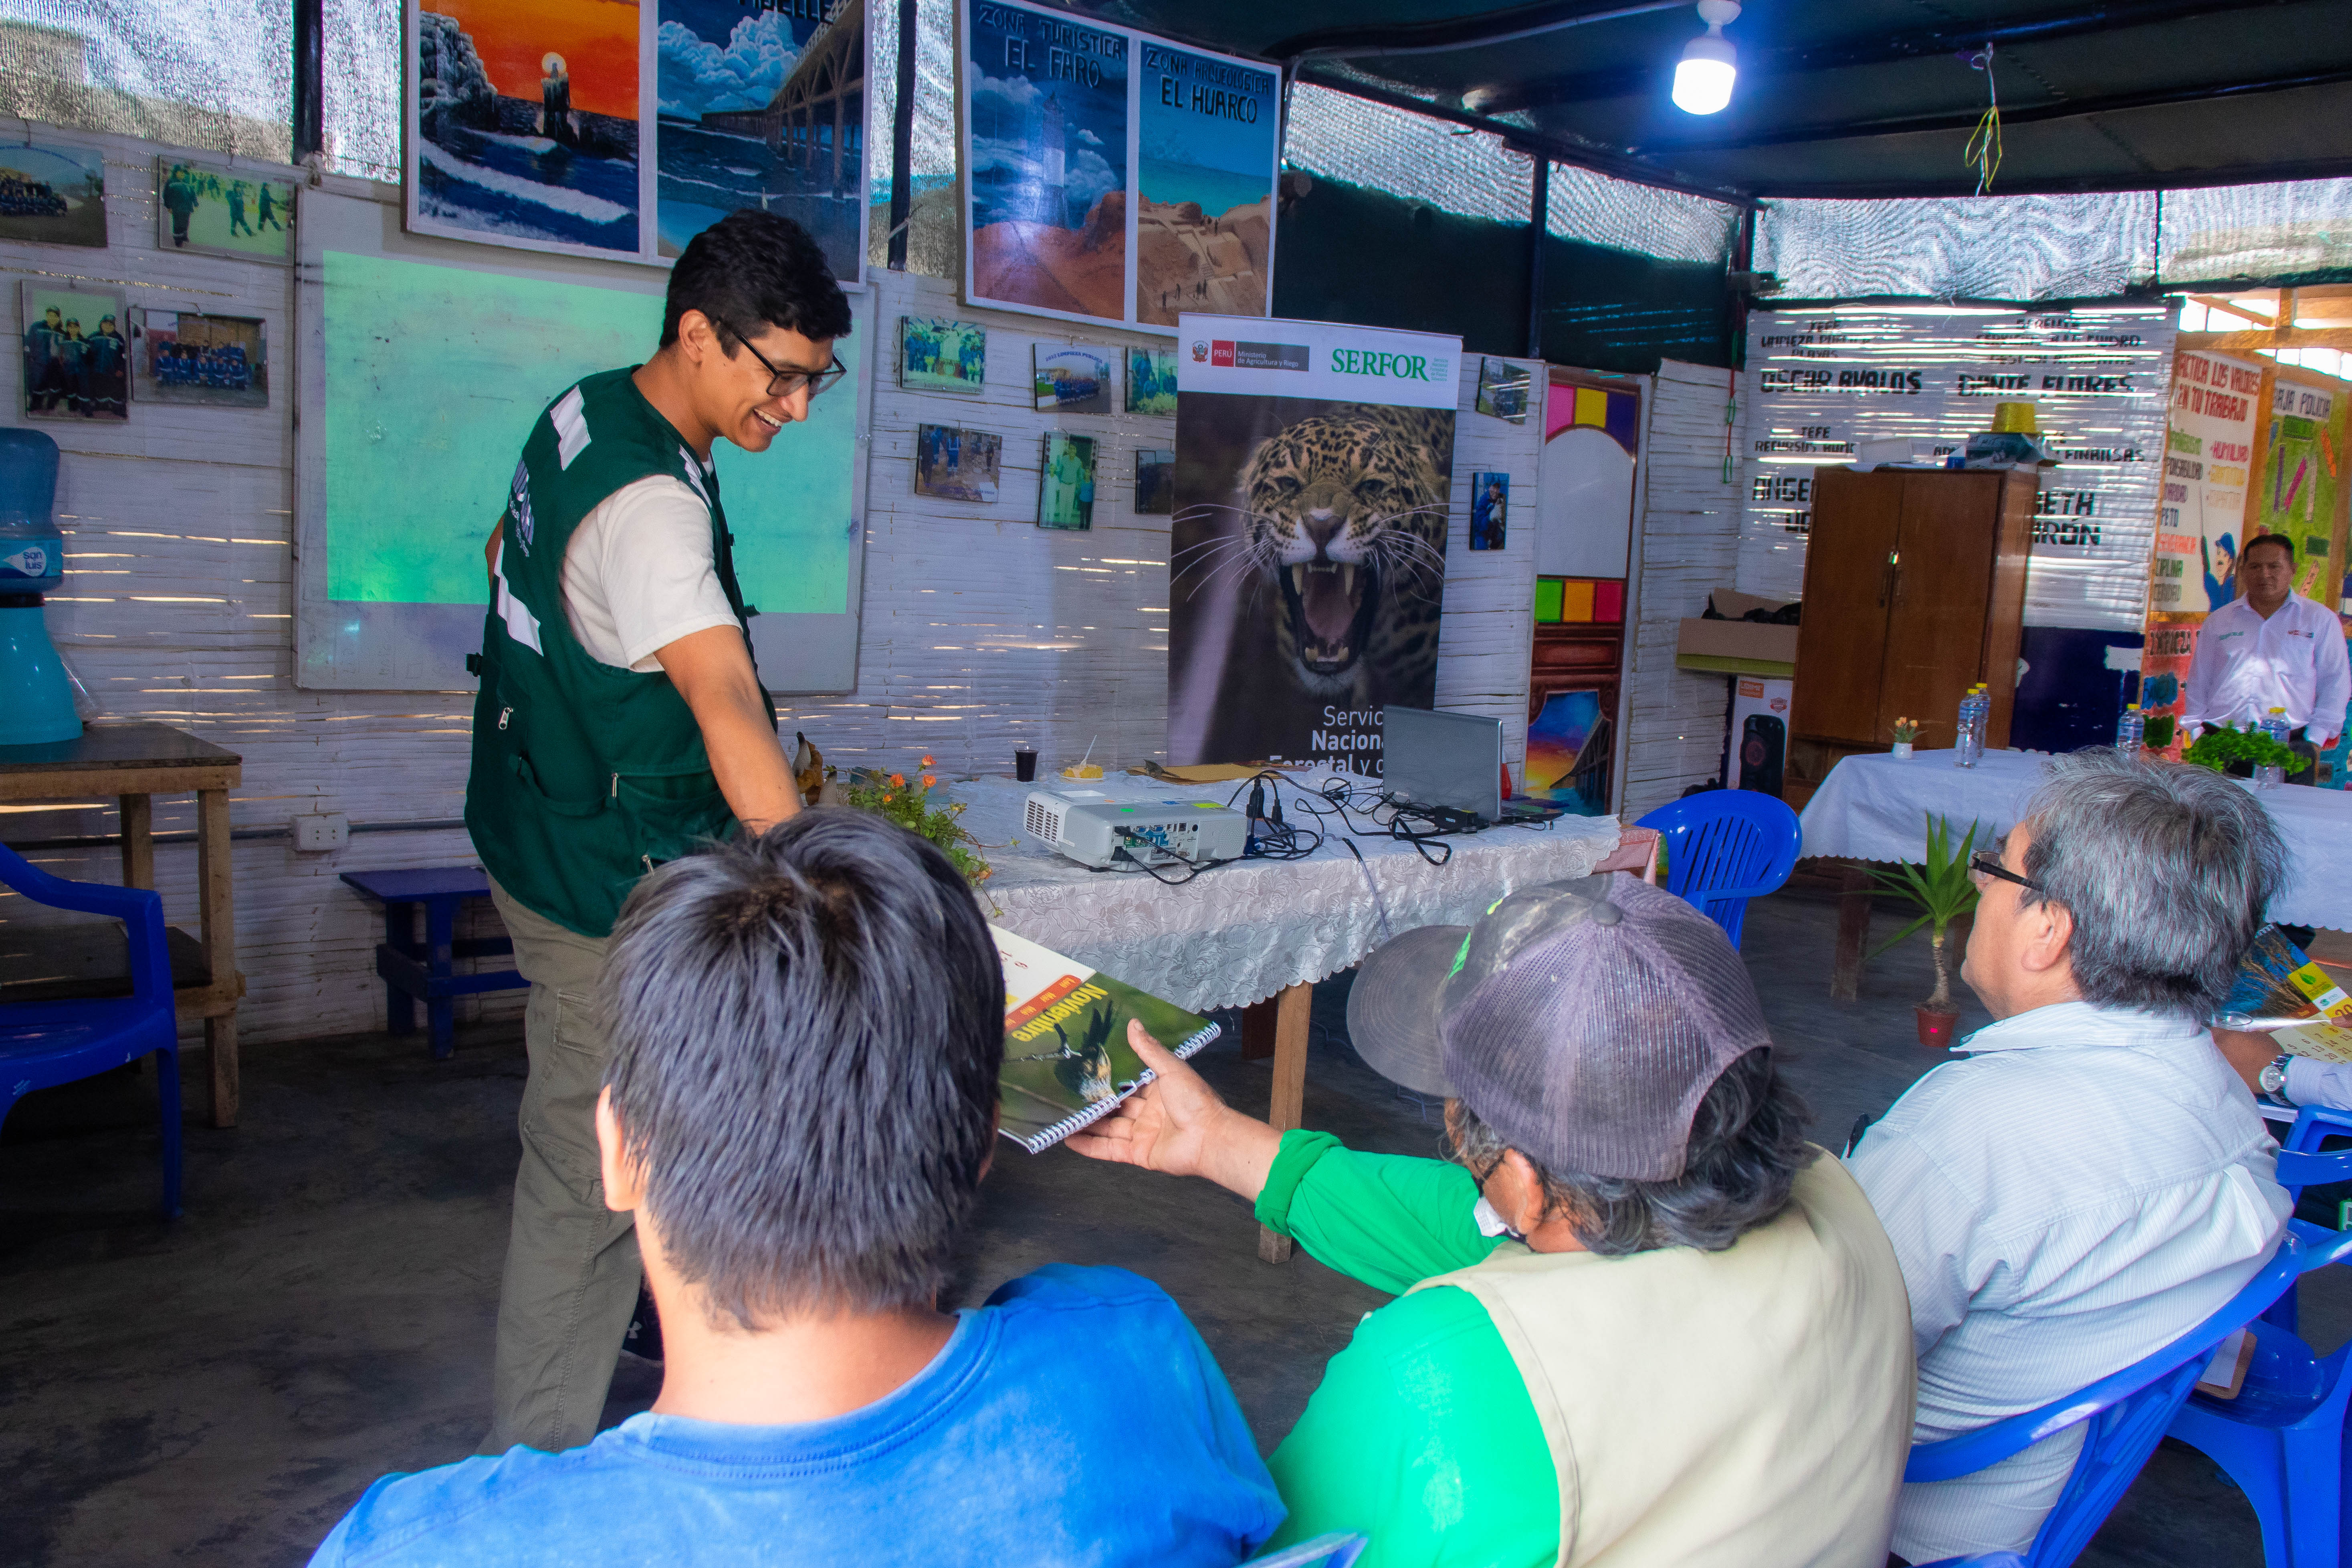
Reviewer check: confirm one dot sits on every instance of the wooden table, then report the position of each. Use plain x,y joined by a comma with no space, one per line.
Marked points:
135,763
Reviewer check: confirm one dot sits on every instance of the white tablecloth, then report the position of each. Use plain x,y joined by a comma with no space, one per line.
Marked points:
1241,933
1873,807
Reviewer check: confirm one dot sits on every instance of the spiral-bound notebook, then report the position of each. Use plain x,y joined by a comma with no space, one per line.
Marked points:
1067,1059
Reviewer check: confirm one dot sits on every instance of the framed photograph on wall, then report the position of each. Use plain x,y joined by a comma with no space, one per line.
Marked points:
1155,483
1152,381
220,210
1065,488
53,196
953,464
179,356
1503,389
1072,378
938,355
1490,509
77,363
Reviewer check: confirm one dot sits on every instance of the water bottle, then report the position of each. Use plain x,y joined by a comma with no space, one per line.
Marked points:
2131,732
1968,746
2273,725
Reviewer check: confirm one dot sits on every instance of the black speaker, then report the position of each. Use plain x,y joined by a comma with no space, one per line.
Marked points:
1763,748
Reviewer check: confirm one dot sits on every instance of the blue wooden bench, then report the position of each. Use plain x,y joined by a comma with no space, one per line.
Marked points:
418,971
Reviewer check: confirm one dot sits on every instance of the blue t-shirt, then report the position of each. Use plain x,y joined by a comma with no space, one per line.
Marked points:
1075,1418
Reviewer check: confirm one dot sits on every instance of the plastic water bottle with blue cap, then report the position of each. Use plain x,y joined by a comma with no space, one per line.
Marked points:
1969,744
2273,727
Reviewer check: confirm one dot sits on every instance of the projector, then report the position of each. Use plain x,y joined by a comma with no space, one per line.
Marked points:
1155,832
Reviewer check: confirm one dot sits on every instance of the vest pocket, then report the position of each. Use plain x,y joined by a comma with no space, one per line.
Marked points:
529,778
665,825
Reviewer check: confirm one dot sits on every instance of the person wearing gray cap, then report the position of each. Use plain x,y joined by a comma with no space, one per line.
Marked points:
1640,1320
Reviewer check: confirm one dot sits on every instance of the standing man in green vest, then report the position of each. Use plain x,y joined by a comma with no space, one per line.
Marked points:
620,722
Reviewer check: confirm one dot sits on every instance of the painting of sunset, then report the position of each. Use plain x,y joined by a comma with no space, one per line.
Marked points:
525,127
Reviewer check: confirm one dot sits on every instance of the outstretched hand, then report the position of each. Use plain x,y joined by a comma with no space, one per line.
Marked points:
1176,1123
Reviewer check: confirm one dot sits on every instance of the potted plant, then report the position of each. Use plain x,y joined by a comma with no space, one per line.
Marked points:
1941,890
2238,752
1905,732
909,806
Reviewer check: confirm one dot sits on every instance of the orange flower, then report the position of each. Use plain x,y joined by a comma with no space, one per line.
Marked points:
898,781
927,759
929,780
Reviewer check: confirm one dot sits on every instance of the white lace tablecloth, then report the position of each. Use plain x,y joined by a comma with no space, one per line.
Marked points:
1241,933
1873,807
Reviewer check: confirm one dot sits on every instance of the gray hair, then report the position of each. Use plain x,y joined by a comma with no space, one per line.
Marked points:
806,1031
2165,869
1746,1145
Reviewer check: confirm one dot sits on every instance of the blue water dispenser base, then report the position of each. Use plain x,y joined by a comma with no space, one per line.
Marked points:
35,697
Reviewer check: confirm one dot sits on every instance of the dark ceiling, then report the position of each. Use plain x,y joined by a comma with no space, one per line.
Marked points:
1842,97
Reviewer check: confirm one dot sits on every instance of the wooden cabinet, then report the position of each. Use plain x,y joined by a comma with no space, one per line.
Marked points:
1914,590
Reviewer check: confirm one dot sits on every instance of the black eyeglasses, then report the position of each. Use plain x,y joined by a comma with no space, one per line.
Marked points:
784,382
1984,863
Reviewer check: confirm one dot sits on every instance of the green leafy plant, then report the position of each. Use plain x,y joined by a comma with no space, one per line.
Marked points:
1942,890
890,796
2217,749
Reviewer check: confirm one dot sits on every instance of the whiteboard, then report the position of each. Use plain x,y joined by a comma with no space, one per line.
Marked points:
421,365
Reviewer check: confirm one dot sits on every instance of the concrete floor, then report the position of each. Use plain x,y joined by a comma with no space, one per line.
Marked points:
217,1391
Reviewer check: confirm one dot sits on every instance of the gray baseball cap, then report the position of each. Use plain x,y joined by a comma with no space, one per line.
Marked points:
1583,1021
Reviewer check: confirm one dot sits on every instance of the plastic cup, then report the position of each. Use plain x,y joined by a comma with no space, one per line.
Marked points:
1024,763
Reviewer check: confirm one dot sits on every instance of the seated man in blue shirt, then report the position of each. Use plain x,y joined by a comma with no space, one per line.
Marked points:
801,1106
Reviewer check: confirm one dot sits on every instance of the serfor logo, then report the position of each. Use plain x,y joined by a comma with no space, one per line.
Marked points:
1365,361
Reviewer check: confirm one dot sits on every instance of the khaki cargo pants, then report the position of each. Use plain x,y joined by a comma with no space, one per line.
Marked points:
572,1271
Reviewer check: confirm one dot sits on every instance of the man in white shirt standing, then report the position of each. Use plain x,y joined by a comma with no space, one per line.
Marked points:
2271,648
621,722
2092,1181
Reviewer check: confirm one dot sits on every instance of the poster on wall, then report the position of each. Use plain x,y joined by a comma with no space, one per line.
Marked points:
2201,516
1111,176
223,211
523,124
179,356
762,106
77,363
2298,480
1924,379
1307,552
53,196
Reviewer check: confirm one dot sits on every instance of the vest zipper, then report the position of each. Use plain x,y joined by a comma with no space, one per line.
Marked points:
616,786
504,714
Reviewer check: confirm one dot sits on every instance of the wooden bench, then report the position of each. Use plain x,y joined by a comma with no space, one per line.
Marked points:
418,971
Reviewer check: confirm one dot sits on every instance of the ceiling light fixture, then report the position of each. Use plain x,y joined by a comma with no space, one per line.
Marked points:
1709,64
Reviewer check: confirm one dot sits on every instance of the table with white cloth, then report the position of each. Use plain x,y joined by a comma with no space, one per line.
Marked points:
1874,807
1239,933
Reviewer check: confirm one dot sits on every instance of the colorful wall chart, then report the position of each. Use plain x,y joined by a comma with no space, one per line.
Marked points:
2298,477
1111,176
2202,518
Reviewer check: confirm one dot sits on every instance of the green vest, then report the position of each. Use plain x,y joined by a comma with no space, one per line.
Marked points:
585,776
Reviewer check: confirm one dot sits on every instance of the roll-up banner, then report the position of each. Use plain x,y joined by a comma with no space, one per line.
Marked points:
1306,559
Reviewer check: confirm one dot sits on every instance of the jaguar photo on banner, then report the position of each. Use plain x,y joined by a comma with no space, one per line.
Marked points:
1307,556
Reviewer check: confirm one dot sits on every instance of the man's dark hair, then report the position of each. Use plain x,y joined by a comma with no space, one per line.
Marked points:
2278,539
806,1031
753,270
1746,1145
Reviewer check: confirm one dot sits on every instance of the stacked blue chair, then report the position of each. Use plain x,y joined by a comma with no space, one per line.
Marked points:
2128,1411
1338,1549
44,1044
2282,1438
1725,847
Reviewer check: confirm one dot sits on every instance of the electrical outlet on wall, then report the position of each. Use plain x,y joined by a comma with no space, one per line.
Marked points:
322,831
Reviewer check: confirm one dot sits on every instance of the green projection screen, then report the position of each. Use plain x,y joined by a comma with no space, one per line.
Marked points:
424,363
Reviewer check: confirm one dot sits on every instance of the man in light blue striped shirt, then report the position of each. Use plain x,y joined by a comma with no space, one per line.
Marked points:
2093,1180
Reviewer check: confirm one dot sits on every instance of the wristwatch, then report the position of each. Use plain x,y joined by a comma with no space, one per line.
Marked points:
2273,1080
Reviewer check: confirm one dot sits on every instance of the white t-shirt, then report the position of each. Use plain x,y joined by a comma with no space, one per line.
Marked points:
639,574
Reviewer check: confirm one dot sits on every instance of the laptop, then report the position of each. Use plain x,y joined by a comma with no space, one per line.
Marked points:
1450,762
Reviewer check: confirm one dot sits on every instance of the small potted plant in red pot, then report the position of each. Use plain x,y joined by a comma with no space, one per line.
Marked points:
1941,890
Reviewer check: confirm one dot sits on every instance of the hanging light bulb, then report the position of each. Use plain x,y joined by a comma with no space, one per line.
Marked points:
1709,64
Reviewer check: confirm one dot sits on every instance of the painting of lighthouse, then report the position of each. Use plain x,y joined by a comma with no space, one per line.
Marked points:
1046,162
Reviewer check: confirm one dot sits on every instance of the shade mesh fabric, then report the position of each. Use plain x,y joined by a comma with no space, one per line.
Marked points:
1339,136
1593,208
933,237
218,75
1993,248
2236,233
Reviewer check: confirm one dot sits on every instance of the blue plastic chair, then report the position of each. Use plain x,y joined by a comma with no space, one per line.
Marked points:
1725,847
44,1044
1982,1559
2128,1410
2282,1438
1338,1549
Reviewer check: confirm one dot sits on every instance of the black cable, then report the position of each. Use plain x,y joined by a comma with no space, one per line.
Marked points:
1193,867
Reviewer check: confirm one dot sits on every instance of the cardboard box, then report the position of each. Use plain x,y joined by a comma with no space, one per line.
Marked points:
1734,646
